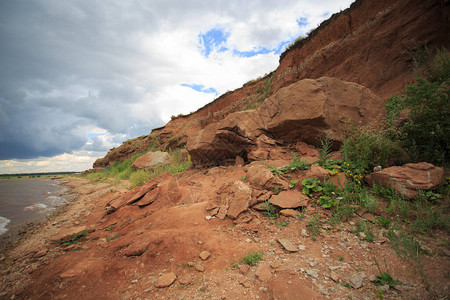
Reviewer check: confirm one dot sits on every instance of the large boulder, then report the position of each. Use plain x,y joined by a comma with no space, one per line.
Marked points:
409,178
302,111
152,160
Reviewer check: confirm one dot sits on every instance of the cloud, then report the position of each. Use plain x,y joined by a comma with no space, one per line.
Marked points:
73,68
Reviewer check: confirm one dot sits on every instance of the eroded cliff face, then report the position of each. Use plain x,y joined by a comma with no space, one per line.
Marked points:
371,43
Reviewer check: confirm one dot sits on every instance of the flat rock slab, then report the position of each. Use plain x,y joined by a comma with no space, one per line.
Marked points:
204,255
263,273
166,280
289,199
287,245
289,212
67,233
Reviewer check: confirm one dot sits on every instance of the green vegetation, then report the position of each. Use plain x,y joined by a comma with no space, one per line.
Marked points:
123,170
384,278
252,258
262,92
74,239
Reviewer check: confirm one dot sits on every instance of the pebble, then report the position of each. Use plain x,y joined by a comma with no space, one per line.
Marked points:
257,240
312,273
199,268
304,233
248,240
356,281
208,218
204,255
332,268
134,281
200,242
301,247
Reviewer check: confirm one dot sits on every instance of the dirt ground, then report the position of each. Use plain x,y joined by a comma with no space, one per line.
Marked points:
133,251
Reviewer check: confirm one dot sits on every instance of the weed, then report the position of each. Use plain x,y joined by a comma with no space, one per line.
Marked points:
269,210
109,228
346,284
386,223
276,190
384,278
74,238
310,186
283,223
295,165
341,258
325,150
113,237
252,258
292,183
314,224
243,178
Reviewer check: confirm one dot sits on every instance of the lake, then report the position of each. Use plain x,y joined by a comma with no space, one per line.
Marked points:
29,200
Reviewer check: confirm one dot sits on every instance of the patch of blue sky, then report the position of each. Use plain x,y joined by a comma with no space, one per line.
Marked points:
213,40
91,135
302,21
200,88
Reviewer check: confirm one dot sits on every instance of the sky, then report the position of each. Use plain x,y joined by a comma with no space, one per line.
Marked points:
78,78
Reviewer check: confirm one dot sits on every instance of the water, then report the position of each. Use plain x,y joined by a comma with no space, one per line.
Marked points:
29,200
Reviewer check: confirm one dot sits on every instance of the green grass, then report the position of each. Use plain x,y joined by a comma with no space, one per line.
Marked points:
74,239
252,258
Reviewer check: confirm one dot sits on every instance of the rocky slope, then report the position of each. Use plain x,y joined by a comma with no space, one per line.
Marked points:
371,44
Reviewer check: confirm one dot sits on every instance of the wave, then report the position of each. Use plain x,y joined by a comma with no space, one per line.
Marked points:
3,222
35,206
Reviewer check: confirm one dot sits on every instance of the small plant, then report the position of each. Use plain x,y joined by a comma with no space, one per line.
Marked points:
384,278
113,237
310,186
325,150
292,183
243,178
110,227
74,239
269,210
313,225
341,258
386,223
346,284
139,177
295,165
283,223
276,190
326,201
252,258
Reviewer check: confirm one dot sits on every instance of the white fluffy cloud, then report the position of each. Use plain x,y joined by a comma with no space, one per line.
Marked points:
120,68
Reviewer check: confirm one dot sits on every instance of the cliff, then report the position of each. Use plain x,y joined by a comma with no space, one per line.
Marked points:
372,43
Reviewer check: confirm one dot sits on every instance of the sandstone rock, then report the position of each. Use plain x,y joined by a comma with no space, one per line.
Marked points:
243,269
409,178
275,264
222,213
339,180
334,276
241,196
199,267
287,245
67,233
204,255
289,212
260,176
313,273
41,253
263,273
152,160
239,162
289,199
316,171
166,280
356,280
136,249
185,279
301,111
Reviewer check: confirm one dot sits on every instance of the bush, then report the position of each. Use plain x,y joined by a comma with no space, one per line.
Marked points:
366,149
139,177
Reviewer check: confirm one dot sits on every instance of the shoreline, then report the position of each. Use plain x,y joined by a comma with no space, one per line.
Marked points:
26,229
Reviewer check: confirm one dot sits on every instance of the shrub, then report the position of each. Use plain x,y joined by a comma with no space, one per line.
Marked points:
139,177
367,148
